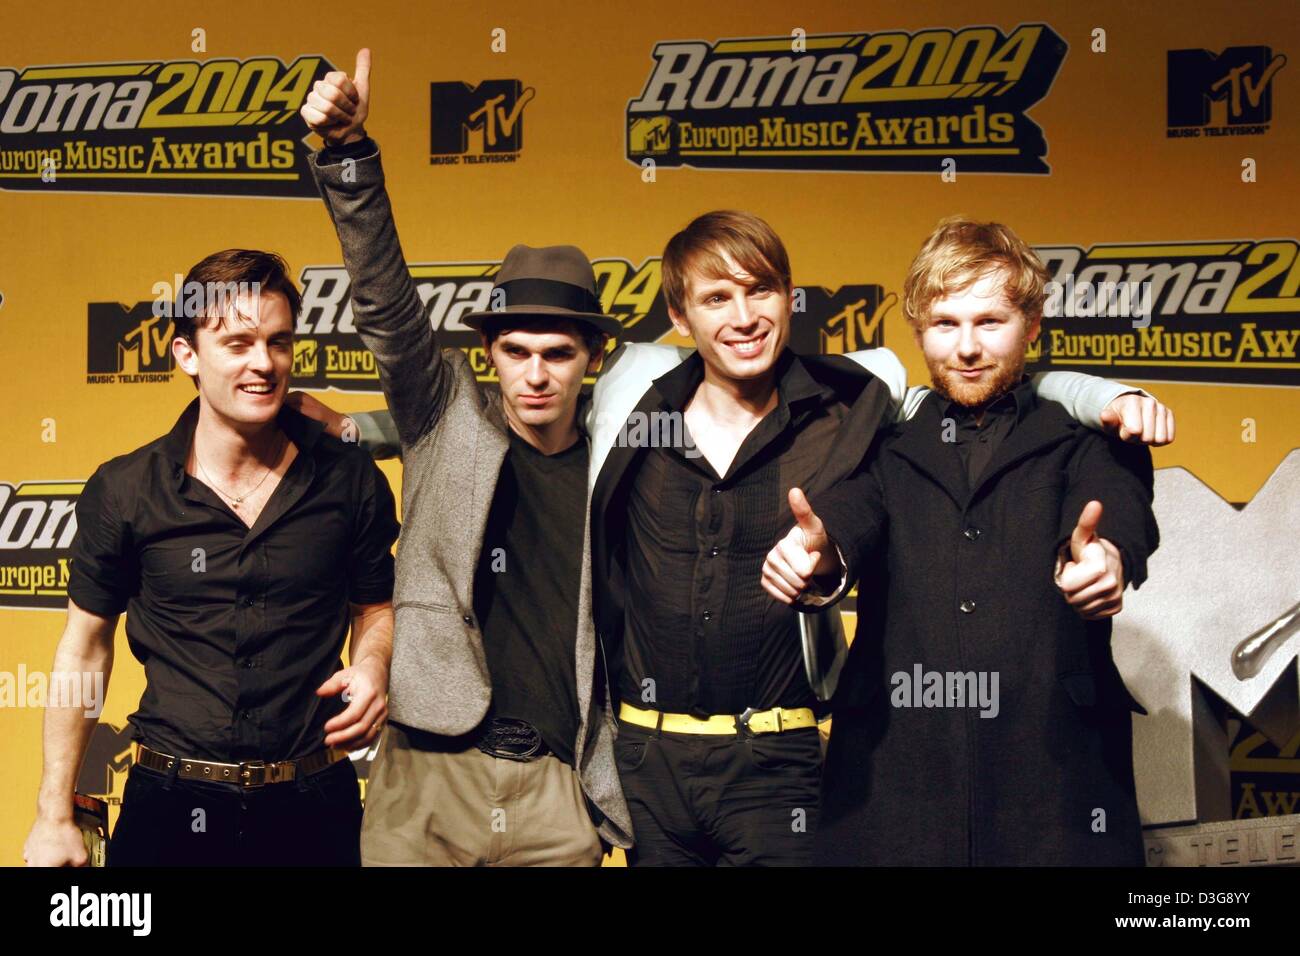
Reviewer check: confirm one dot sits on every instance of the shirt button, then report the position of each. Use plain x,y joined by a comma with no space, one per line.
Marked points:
248,715
708,615
713,552
968,606
971,533
248,602
248,664
468,620
717,491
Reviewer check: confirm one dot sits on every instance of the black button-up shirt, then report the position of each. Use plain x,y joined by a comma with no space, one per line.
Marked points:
979,435
698,623
236,627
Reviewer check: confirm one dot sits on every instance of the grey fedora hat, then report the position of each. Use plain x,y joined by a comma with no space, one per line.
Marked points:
553,281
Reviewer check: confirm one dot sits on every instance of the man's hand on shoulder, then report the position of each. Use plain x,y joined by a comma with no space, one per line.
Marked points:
1139,419
336,423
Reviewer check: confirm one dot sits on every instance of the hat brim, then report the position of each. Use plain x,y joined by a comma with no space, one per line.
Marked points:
603,323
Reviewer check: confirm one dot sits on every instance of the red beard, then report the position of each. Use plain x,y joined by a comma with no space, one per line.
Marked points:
995,383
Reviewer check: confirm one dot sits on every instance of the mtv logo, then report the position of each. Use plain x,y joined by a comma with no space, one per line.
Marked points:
1214,625
650,134
855,327
1232,88
305,352
108,756
487,118
128,341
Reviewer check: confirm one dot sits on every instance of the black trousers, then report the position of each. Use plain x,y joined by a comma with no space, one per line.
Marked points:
710,800
167,821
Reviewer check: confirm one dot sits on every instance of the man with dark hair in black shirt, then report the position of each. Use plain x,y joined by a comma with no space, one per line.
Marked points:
241,545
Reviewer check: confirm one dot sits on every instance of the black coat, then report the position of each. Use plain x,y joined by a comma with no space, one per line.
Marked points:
962,581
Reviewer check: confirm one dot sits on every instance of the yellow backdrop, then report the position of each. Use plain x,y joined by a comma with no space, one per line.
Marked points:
552,165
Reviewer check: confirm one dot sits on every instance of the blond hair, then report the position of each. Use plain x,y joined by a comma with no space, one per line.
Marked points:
961,251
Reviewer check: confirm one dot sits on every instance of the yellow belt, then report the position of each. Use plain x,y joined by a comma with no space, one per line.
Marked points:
758,721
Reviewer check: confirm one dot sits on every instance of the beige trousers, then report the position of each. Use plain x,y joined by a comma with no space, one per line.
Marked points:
431,808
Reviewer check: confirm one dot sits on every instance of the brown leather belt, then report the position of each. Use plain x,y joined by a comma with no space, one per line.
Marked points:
249,774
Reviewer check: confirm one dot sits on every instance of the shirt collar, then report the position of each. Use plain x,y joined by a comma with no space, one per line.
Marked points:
1019,401
794,384
302,431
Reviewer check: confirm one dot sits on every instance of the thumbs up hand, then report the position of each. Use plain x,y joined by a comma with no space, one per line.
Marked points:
337,107
804,553
1092,580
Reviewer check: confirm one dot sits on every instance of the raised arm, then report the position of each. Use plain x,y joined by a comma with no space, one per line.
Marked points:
386,306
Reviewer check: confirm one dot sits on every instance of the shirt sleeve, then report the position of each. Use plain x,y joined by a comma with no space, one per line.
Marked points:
370,574
816,600
377,434
105,571
361,149
1120,476
1085,397
856,521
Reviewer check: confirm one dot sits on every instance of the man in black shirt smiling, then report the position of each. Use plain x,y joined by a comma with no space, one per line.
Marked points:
242,546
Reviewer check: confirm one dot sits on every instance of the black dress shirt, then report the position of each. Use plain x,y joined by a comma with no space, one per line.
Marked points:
978,436
698,623
236,627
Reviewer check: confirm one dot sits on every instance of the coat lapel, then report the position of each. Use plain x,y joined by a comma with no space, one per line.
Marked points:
921,441
869,408
1042,426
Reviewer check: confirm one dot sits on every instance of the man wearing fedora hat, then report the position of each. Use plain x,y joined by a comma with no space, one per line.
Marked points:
499,746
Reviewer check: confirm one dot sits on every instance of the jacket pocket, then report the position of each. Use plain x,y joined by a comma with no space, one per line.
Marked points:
630,752
794,751
1081,688
1086,691
446,608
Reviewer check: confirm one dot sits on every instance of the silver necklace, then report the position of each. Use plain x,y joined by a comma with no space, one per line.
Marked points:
237,501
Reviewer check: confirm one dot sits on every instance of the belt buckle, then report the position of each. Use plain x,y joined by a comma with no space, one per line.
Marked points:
742,720
246,768
502,733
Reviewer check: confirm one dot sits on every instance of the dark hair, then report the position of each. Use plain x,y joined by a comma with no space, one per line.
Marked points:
216,279
591,336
